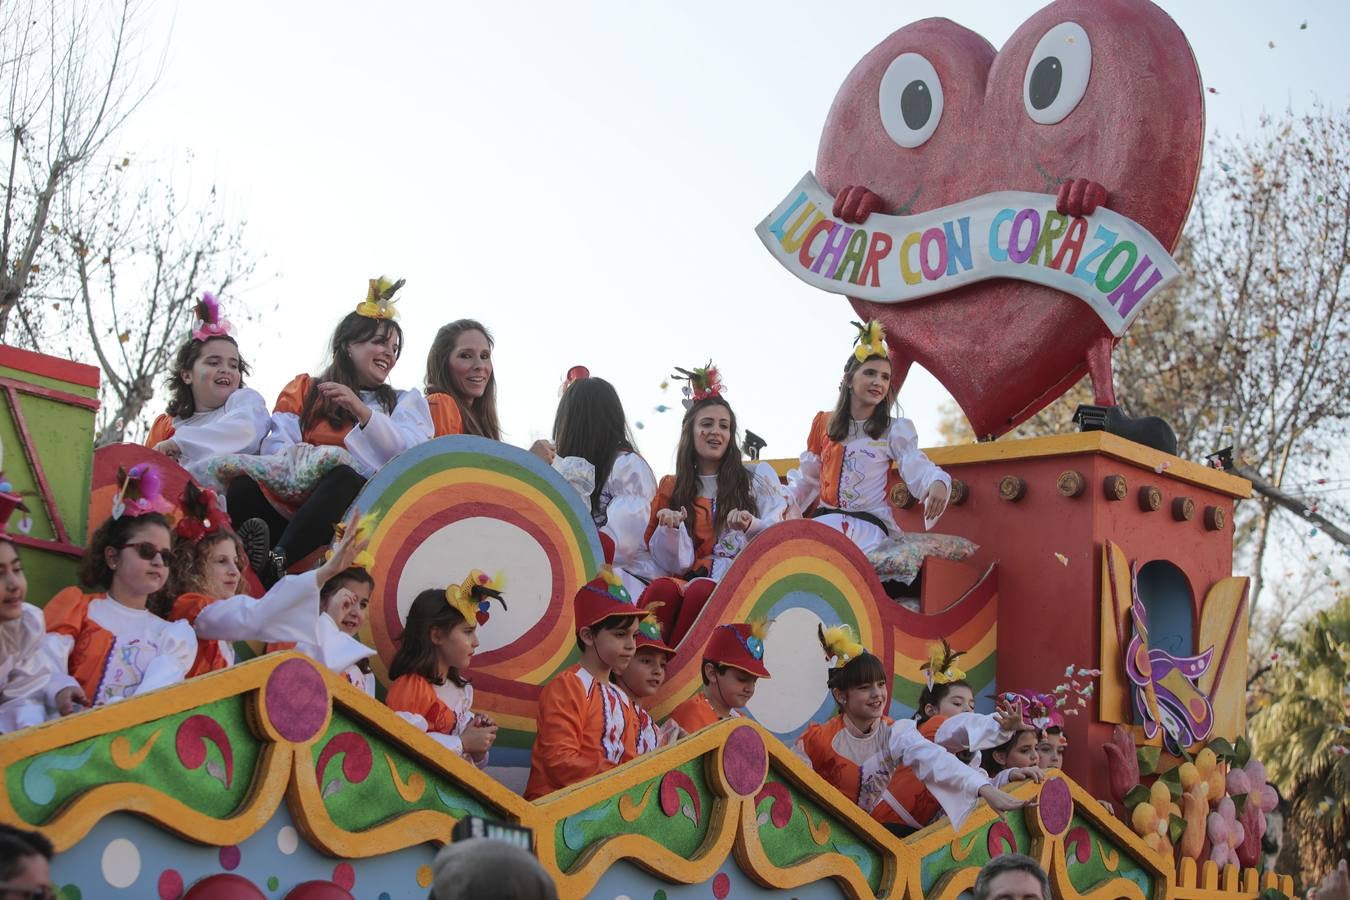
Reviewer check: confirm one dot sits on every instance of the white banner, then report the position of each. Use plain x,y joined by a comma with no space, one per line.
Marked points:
1109,261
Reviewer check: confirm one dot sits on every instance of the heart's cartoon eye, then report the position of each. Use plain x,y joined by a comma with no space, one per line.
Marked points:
910,100
1057,74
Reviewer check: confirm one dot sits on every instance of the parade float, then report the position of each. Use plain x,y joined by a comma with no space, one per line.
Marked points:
1103,574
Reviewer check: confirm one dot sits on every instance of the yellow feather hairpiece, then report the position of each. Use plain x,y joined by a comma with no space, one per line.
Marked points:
871,341
941,666
364,527
471,597
379,302
839,644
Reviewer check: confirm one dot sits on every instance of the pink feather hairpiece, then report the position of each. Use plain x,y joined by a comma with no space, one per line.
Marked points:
210,323
141,492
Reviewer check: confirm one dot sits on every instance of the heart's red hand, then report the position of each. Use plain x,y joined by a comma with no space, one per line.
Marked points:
855,203
1079,197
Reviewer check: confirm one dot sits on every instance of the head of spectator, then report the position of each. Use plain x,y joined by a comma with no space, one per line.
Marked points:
1012,876
489,869
25,864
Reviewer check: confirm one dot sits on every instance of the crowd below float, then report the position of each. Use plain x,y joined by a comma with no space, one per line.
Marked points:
162,584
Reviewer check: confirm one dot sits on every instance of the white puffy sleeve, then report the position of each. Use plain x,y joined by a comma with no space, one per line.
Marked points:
284,431
632,488
771,497
804,481
335,650
970,731
239,428
579,473
387,435
177,651
672,549
55,654
287,612
952,783
22,691
916,468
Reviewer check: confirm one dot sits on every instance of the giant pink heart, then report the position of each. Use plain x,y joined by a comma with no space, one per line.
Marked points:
1005,349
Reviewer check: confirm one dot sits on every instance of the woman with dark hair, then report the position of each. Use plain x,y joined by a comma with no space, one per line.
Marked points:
461,386
210,411
853,453
329,434
706,512
593,449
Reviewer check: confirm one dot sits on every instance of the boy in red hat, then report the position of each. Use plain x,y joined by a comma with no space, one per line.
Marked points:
585,724
643,678
732,662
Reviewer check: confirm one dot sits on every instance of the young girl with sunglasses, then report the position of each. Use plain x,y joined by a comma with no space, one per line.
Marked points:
329,434
210,411
107,642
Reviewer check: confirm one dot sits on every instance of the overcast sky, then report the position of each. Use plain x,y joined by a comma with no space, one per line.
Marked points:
582,177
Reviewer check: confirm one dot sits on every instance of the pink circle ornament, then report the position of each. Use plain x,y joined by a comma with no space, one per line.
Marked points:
1055,807
745,761
296,700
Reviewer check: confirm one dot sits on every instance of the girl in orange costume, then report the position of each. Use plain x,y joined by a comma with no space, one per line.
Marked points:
328,435
705,513
108,642
210,411
585,725
429,688
906,774
461,387
208,560
847,467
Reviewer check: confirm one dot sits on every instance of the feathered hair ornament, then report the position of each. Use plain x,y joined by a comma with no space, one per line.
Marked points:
614,584
650,626
839,644
571,377
203,514
754,642
473,597
941,666
210,323
702,384
140,491
870,341
364,527
379,302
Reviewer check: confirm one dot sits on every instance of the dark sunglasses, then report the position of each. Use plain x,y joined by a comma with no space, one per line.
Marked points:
148,551
46,892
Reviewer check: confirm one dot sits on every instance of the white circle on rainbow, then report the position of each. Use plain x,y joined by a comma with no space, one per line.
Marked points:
449,553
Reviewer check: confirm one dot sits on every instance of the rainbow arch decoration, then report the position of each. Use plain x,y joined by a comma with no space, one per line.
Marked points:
801,574
463,502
